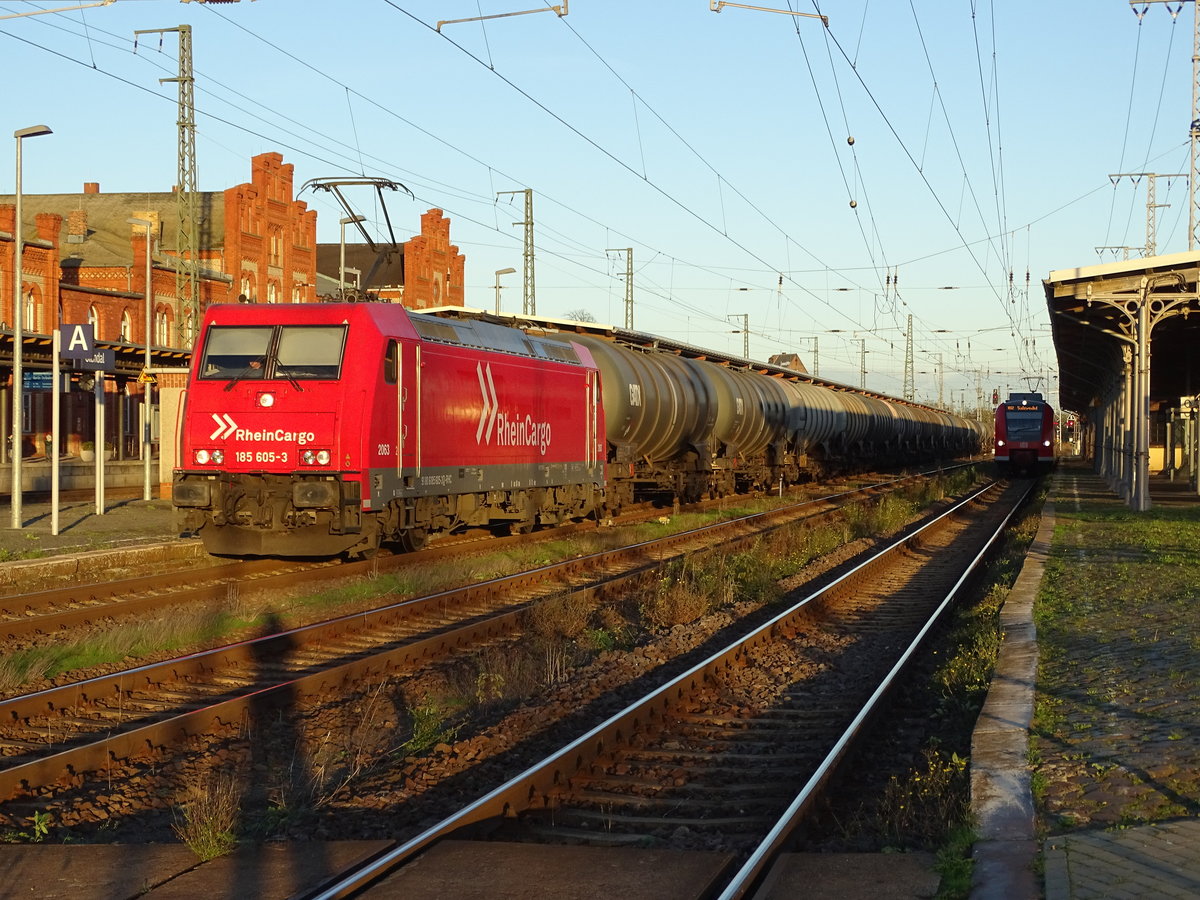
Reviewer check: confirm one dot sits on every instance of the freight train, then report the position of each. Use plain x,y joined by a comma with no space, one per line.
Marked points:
330,428
1025,441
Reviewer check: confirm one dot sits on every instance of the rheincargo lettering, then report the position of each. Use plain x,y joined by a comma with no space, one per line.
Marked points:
522,433
279,434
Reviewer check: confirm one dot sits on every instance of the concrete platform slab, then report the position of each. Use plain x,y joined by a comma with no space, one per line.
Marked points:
89,871
466,870
851,876
267,871
171,871
1161,860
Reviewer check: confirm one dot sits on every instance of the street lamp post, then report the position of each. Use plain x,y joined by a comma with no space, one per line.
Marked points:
500,272
18,337
149,226
349,220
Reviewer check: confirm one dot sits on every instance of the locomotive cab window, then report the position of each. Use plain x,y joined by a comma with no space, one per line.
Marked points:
390,362
232,352
310,351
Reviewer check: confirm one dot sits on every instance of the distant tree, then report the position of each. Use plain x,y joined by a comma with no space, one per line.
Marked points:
580,315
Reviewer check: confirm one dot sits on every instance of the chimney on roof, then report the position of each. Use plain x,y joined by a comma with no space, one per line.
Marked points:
76,226
91,187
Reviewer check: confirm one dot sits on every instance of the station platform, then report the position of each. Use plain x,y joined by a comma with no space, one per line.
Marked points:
1094,845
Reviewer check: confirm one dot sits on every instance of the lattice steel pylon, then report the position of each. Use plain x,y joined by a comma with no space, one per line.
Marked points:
529,298
187,281
910,387
1152,206
628,251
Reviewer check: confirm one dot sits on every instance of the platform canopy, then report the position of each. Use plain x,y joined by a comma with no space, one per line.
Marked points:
1126,335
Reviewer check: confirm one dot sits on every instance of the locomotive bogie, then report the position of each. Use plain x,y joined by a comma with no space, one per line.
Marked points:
244,514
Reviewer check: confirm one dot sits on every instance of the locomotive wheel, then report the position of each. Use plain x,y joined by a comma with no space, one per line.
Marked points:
365,550
414,539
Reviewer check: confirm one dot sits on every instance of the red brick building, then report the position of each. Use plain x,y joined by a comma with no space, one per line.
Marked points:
85,263
425,271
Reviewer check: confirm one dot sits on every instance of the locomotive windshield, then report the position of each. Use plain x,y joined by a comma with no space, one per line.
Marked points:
291,352
310,351
1024,424
232,352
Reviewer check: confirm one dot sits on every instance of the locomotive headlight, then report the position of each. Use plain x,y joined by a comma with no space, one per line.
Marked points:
266,401
202,457
308,457
1045,443
315,457
218,456
999,443
323,457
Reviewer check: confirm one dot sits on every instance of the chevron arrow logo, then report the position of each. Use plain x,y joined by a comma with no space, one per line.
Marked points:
487,416
225,427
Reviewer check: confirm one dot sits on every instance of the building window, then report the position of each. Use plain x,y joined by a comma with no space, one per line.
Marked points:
272,292
276,247
30,314
162,328
126,327
246,287
94,321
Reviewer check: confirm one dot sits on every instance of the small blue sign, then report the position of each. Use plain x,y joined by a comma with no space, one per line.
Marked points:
43,381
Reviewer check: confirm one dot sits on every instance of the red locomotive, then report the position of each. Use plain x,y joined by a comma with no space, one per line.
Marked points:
319,429
1025,434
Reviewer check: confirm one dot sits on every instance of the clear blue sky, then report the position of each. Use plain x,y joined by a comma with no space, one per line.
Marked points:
716,145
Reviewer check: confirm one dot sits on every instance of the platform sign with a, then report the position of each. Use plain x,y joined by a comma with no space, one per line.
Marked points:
78,341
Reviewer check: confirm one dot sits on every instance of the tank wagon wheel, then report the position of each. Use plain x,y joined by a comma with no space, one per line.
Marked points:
413,539
520,527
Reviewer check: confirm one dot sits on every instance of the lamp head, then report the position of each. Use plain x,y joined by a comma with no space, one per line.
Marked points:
31,131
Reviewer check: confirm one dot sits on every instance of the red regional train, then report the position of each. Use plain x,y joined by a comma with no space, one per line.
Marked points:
1025,434
330,428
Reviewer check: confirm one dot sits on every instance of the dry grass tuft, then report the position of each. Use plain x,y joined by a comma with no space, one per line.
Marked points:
206,818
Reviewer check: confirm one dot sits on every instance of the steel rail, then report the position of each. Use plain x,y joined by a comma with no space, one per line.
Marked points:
228,709
26,613
748,876
535,787
47,612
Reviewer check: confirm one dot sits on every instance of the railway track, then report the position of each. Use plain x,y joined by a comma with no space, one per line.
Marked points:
31,616
733,753
57,736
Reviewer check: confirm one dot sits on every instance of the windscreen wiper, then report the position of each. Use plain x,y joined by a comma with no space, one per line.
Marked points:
244,374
